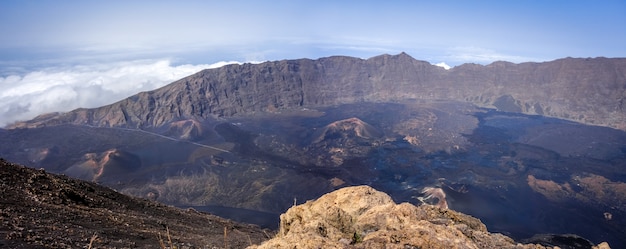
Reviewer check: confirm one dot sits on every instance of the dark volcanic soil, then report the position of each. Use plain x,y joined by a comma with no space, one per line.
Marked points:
41,210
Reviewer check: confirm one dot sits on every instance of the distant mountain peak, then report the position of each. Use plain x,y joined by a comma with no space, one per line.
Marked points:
403,54
399,57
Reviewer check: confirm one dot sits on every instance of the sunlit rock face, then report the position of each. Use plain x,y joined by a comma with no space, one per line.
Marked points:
362,217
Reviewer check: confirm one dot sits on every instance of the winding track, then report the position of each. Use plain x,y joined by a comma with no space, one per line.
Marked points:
162,136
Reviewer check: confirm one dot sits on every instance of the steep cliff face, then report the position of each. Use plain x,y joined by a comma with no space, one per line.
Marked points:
590,91
587,90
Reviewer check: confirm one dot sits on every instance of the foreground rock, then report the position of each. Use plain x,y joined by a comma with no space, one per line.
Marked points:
361,217
41,210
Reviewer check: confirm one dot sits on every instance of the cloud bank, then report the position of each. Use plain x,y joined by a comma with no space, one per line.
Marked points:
23,97
443,64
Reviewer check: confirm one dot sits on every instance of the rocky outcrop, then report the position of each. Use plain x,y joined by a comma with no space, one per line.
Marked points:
105,166
330,145
345,128
361,217
591,91
185,129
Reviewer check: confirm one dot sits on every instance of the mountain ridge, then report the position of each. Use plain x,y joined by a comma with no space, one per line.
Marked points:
586,90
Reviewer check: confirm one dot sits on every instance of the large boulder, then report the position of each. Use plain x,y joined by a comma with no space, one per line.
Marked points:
362,217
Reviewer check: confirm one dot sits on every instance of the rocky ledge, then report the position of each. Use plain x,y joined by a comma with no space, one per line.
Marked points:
362,217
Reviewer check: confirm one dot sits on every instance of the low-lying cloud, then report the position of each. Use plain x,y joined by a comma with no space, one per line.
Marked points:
443,64
23,97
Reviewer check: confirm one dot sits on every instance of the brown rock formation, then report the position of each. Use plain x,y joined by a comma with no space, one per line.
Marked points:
361,217
586,188
109,164
347,127
437,194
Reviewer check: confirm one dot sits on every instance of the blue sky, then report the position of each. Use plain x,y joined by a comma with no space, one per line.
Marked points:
61,38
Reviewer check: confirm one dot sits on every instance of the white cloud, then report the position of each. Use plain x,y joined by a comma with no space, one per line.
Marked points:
443,64
63,89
